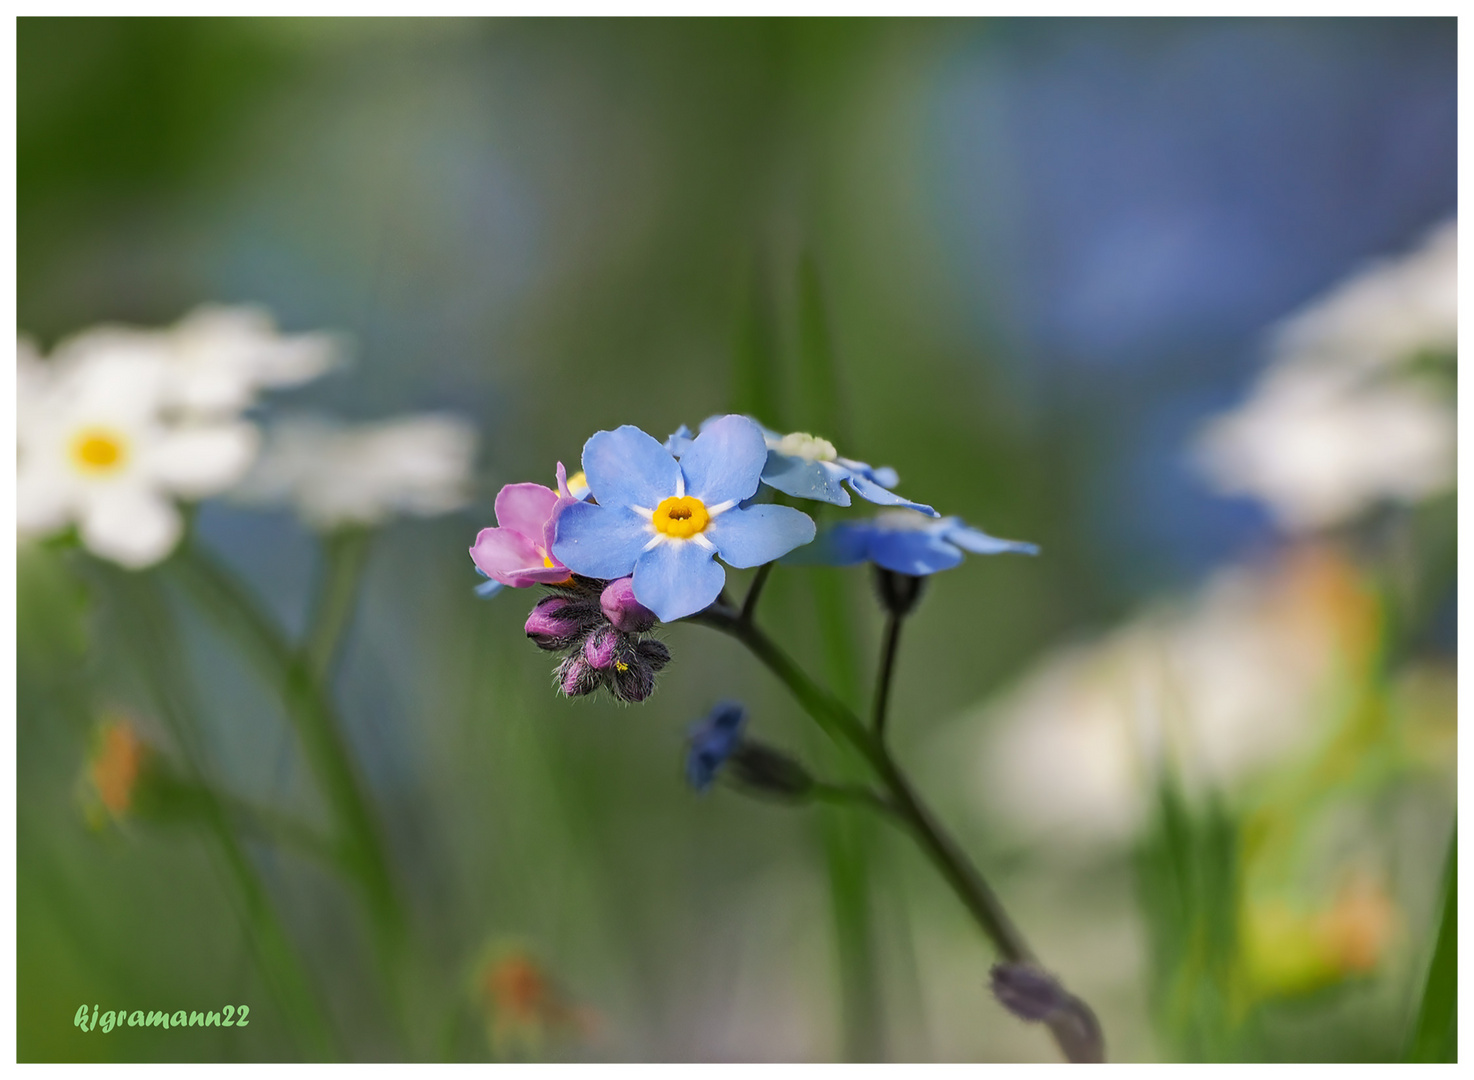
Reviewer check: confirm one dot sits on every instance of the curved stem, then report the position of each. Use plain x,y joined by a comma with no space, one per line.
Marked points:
344,554
906,805
266,824
227,601
887,663
851,795
755,590
156,643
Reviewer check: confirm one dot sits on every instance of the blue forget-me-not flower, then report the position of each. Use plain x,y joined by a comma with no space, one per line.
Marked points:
808,467
662,520
908,543
713,740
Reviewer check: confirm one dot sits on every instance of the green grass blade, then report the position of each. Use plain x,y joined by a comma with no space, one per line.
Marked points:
1435,1035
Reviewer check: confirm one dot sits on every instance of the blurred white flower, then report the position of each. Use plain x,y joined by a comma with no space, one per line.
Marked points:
1223,687
363,474
95,446
1390,311
216,359
1320,445
1336,424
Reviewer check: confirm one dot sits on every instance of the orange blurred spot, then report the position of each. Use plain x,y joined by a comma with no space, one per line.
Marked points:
114,769
525,1004
1356,929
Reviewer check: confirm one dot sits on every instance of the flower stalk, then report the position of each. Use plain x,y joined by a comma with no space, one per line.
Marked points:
905,805
296,679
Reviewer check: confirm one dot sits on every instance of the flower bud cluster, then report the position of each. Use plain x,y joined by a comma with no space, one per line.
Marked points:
598,626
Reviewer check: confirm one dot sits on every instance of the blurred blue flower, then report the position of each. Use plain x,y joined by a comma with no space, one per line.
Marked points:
662,520
808,467
908,543
713,740
488,588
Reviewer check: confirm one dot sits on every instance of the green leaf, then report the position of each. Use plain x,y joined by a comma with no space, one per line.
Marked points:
1435,1035
818,409
756,364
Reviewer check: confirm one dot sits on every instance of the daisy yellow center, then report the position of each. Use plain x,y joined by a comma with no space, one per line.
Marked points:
680,516
99,450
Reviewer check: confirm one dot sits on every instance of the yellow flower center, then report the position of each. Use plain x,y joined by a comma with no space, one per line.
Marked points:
578,483
99,450
547,562
680,516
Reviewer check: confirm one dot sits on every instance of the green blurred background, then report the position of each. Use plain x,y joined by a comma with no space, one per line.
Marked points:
1039,255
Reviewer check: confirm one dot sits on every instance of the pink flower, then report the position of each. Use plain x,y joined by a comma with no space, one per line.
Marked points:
518,552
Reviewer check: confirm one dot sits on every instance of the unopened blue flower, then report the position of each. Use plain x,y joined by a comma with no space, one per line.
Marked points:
713,740
908,543
662,520
808,467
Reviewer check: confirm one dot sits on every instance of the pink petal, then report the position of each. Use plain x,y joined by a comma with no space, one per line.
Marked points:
525,508
543,575
550,530
501,553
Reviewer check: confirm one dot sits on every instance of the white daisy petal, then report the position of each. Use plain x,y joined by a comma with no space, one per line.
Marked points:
364,474
43,501
198,461
222,356
131,525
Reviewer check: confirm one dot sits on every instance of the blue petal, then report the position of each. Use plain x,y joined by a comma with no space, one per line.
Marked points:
679,441
838,545
725,461
677,579
759,534
869,490
713,741
626,467
980,543
600,541
885,476
488,588
913,551
804,479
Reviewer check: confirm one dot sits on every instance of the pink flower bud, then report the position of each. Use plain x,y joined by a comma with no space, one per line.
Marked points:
556,621
600,648
623,610
576,678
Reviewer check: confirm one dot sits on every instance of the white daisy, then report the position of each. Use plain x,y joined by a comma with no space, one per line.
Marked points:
337,474
1226,686
217,359
96,448
1337,423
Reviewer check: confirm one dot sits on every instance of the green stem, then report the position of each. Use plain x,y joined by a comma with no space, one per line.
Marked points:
232,607
284,830
268,937
755,590
850,795
1434,1037
345,554
887,663
271,942
841,724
